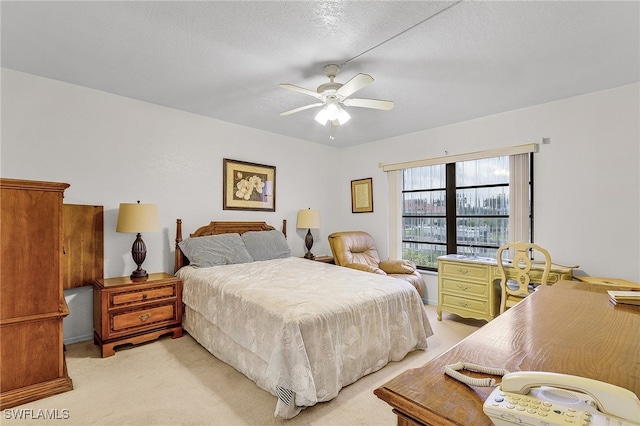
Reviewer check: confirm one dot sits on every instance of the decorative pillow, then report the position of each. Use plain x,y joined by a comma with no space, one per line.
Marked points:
213,250
266,245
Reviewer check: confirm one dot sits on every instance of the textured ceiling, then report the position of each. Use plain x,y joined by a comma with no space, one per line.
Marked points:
226,59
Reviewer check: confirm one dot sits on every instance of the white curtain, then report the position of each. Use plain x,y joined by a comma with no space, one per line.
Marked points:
395,214
519,197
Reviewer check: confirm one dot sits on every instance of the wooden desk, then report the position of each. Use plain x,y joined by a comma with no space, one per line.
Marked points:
614,283
568,328
470,287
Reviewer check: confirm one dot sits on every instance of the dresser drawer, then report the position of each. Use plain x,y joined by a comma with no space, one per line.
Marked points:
479,273
143,318
464,288
479,307
536,275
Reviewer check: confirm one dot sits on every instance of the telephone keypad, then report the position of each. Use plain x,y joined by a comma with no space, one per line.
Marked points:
508,406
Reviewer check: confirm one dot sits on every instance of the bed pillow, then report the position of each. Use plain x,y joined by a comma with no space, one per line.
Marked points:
213,250
266,245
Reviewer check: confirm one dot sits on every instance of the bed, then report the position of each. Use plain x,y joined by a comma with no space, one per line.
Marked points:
299,329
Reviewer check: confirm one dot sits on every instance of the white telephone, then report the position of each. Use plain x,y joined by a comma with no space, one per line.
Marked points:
544,399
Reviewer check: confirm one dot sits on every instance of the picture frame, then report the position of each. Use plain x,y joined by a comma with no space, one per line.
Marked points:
362,195
248,186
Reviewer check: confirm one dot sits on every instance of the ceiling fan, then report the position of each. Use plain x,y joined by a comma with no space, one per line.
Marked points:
333,95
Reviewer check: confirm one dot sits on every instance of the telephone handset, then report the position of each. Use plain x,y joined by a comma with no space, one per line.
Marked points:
540,398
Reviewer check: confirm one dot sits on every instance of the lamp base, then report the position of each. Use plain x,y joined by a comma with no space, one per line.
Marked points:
308,241
139,253
139,275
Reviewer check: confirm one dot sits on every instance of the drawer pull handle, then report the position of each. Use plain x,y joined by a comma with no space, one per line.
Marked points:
144,317
463,271
144,296
463,287
463,304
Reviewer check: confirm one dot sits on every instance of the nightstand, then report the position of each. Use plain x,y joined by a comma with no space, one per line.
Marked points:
324,259
127,311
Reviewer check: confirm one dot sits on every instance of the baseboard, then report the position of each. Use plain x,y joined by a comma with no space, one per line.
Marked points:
77,339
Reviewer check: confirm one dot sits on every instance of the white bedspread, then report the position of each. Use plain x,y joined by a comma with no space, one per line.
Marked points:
301,329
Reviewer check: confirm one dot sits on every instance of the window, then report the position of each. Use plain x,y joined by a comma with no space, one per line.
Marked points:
463,207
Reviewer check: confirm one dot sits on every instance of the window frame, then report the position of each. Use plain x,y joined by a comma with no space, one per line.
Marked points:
451,216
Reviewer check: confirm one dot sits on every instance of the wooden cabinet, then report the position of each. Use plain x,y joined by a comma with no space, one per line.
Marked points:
126,311
470,287
83,244
32,304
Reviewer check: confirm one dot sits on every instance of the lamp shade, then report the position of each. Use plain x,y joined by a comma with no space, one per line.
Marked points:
137,218
308,219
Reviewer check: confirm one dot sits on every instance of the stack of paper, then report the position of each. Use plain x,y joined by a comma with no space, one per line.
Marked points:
626,297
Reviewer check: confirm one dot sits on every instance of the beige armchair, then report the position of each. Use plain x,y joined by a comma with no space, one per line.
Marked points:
357,250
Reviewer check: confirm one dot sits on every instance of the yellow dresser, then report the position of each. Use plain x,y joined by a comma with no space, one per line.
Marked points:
470,286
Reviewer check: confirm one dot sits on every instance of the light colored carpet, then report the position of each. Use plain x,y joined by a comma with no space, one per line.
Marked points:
177,382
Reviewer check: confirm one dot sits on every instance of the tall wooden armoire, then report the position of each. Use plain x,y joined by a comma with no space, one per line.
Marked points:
32,303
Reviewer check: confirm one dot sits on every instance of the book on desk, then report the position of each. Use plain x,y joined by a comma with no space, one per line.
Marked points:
625,297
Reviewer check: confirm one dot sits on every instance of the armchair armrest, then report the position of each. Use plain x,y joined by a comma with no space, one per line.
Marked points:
398,266
366,268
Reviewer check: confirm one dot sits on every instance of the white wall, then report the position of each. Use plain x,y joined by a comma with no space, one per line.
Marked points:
113,149
587,181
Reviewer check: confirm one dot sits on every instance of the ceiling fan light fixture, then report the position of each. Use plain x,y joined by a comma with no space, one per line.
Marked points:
333,109
321,117
333,112
343,116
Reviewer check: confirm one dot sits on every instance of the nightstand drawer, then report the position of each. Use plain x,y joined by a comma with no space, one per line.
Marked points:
143,318
138,296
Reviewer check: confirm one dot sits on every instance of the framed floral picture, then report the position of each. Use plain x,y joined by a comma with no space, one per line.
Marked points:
248,186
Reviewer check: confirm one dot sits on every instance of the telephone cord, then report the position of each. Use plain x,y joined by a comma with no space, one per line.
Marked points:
452,371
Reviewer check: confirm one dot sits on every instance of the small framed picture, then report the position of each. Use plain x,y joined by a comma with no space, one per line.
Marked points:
362,196
248,186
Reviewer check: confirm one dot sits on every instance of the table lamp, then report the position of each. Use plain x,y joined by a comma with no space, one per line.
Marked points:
309,219
138,218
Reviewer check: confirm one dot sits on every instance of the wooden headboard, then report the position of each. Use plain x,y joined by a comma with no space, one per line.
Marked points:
215,228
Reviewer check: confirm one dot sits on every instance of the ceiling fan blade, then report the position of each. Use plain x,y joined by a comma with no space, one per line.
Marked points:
370,103
356,83
292,111
301,90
